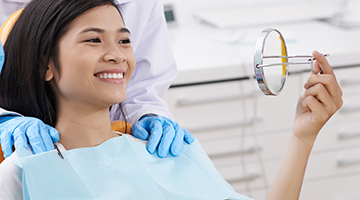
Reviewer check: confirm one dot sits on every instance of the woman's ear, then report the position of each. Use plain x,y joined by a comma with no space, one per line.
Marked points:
50,71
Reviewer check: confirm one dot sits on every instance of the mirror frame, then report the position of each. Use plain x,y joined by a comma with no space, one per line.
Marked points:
258,60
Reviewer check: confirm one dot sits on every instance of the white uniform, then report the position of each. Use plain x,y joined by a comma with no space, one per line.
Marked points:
155,63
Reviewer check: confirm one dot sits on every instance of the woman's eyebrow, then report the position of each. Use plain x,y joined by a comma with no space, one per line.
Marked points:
124,30
99,30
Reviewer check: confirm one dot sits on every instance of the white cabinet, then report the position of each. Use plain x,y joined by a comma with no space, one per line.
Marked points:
246,134
239,127
221,115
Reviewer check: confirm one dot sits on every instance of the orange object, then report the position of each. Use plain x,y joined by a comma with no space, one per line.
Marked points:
8,25
121,126
1,155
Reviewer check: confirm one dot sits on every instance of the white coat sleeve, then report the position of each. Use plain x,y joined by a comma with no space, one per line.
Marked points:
8,7
10,179
155,64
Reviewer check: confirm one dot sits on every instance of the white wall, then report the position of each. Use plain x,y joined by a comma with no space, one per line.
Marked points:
186,8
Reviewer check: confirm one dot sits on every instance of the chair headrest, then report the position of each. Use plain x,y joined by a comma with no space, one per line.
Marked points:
8,25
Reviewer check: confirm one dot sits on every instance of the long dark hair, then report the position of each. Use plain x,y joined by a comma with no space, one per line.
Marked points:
31,44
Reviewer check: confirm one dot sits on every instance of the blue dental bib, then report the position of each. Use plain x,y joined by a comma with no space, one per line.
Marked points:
121,168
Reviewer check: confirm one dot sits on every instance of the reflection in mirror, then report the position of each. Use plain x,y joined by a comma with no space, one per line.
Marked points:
274,52
271,61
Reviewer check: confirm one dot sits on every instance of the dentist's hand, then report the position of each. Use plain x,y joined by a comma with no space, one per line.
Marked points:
24,130
165,134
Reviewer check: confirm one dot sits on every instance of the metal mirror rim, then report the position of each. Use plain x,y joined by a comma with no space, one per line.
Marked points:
258,60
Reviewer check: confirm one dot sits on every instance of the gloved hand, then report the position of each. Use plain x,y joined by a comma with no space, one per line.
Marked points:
24,130
164,133
2,57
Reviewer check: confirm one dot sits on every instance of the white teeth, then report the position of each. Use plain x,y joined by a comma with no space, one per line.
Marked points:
112,75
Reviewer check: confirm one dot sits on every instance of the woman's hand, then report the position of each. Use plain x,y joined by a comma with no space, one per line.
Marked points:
320,100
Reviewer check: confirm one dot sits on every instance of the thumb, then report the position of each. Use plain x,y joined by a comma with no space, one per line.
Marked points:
138,130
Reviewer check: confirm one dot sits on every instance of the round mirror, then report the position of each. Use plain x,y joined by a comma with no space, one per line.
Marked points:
271,61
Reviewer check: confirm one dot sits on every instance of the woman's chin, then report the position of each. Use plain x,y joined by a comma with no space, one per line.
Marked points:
117,101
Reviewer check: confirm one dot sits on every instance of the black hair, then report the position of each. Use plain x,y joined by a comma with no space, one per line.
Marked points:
31,44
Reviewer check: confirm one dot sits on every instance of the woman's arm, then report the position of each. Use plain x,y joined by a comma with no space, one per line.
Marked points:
320,100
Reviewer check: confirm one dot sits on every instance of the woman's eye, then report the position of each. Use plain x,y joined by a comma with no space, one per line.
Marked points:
125,41
94,40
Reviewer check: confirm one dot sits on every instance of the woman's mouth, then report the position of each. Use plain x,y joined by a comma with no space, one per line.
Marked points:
110,75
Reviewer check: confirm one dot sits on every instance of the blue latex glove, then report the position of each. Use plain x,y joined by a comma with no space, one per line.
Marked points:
2,57
24,130
164,133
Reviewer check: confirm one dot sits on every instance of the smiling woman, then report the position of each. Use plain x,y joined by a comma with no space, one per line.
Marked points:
94,50
74,64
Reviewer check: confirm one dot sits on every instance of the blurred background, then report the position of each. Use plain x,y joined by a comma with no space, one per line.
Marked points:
246,133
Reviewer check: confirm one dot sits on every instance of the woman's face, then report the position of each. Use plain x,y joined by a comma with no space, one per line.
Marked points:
96,59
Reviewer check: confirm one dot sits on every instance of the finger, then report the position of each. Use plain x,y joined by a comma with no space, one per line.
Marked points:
322,64
327,80
20,139
178,141
166,140
155,135
45,136
189,137
321,94
330,84
35,139
144,122
139,132
7,142
319,113
54,134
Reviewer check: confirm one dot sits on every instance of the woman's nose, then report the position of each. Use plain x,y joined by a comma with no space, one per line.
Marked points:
115,55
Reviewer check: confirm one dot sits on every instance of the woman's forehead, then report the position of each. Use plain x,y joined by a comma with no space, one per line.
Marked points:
104,17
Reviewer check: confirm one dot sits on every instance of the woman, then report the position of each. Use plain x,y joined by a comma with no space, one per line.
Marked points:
145,18
74,63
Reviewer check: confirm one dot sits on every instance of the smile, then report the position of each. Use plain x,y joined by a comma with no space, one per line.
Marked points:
110,75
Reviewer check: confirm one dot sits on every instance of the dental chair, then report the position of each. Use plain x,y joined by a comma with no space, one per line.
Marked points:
120,126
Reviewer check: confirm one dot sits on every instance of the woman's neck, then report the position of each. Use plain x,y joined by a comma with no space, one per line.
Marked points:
79,127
